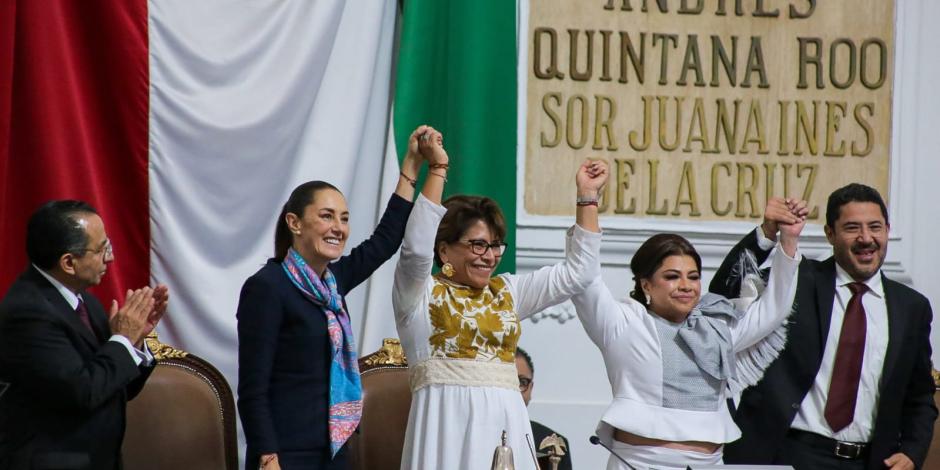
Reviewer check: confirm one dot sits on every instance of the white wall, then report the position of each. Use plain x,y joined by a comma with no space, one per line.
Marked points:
572,391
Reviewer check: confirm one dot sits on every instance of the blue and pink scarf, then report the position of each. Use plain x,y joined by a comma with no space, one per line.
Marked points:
345,387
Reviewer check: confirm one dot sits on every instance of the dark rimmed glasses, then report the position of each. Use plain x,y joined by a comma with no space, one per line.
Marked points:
479,247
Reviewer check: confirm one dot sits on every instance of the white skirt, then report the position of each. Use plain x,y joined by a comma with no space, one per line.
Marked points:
659,458
457,427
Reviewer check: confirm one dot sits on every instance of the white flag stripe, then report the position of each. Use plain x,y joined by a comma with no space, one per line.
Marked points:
248,100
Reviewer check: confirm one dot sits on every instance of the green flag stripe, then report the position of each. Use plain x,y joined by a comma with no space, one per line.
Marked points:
457,73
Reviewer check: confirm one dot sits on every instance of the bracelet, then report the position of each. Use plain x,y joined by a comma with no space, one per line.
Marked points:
410,181
435,166
443,177
586,201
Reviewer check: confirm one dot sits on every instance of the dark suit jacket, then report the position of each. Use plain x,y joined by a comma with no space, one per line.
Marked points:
906,411
284,351
65,406
541,431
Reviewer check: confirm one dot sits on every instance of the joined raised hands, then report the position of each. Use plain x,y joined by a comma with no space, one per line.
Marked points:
411,164
782,211
431,146
788,217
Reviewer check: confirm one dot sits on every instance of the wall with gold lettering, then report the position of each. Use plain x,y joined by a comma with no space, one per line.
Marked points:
704,110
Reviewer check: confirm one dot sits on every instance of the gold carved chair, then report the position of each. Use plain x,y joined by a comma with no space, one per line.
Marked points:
386,401
933,455
183,418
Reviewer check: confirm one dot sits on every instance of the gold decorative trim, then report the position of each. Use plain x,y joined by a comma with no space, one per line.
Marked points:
162,351
555,445
390,354
936,377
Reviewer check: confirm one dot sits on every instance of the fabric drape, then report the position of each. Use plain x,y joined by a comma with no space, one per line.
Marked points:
248,100
73,125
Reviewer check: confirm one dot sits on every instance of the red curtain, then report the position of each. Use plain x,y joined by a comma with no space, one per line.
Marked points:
74,97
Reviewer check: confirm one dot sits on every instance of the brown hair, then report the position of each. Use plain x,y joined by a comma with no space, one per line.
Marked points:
649,257
301,197
464,211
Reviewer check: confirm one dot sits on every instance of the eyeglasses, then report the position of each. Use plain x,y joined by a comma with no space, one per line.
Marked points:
479,247
107,250
524,383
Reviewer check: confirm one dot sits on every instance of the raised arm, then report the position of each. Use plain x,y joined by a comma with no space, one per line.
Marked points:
425,143
751,252
431,146
591,177
410,166
417,257
773,306
417,252
354,268
554,284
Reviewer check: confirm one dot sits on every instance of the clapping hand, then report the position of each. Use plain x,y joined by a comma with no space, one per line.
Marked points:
131,320
142,310
161,297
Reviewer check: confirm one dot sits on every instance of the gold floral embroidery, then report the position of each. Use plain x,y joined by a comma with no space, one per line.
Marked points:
473,324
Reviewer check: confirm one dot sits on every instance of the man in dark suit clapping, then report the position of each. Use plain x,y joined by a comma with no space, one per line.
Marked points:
68,367
852,388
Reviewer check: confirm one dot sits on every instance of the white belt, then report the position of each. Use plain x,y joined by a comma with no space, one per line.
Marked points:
463,372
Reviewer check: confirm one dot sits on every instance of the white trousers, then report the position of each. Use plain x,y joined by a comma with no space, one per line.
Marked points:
659,458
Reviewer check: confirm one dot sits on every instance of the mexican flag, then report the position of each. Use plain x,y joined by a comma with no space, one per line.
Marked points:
188,123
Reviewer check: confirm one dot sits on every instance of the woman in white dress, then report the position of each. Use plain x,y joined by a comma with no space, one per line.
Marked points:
672,354
459,328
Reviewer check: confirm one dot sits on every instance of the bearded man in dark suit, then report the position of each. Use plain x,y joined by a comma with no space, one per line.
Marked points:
68,367
852,388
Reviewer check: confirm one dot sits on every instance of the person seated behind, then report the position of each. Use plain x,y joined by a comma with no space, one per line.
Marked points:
539,430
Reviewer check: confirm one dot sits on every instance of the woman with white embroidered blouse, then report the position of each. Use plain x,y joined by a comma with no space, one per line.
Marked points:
459,328
672,354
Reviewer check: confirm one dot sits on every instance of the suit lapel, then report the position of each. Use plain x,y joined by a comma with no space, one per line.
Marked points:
62,307
825,296
897,323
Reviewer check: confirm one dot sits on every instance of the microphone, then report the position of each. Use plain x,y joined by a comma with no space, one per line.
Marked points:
597,441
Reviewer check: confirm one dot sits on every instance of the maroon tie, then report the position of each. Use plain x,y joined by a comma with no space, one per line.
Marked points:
843,390
83,314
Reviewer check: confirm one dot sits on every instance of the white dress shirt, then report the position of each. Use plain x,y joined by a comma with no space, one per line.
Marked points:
140,357
811,416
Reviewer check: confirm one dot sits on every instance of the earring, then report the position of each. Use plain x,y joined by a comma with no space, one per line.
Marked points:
447,269
649,300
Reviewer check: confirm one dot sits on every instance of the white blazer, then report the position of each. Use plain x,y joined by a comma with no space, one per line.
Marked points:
626,335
